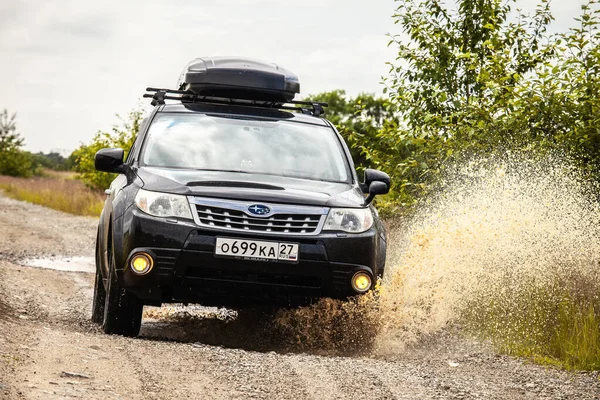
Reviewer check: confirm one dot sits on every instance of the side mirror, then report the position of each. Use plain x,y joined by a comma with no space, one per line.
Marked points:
376,182
375,188
373,175
110,160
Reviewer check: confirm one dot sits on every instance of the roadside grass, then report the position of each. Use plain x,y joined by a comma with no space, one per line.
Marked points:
553,323
57,190
49,173
576,339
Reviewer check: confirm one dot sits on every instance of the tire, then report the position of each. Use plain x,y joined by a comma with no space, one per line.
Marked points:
99,290
122,309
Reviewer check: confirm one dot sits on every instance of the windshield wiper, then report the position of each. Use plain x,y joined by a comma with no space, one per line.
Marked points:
222,170
305,177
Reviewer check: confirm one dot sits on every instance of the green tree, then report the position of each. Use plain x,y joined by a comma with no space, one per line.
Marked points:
464,61
51,160
474,81
359,120
121,136
561,102
13,160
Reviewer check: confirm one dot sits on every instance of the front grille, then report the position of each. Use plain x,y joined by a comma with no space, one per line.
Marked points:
277,223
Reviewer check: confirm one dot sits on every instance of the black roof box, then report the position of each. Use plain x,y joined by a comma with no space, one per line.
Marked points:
238,78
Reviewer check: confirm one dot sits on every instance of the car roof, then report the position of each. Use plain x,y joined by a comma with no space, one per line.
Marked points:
246,111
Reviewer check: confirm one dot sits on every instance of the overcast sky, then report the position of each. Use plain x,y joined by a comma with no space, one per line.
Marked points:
68,66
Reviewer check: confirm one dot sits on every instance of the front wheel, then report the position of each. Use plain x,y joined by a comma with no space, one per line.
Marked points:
122,309
99,299
99,290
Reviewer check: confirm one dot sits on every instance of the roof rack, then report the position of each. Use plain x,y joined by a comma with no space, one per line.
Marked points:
160,95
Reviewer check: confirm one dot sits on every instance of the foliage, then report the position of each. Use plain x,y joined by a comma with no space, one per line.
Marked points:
52,160
359,120
562,98
476,81
455,85
472,81
14,161
121,136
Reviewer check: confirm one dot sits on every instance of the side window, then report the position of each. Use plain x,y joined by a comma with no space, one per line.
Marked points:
136,142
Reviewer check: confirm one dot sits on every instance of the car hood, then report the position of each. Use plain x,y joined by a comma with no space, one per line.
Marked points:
251,187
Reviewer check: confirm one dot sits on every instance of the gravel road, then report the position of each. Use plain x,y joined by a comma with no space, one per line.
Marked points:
50,350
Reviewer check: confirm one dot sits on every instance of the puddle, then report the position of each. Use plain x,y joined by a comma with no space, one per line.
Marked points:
70,264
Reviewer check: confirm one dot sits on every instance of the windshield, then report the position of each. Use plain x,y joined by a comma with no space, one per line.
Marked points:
205,142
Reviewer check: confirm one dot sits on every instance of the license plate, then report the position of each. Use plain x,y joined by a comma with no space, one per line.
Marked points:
256,249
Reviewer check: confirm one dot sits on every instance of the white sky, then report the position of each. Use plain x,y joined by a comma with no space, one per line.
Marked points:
68,66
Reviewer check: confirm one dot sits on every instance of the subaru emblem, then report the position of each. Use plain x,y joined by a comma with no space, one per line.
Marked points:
259,210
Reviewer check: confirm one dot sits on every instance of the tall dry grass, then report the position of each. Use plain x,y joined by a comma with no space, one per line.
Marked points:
57,190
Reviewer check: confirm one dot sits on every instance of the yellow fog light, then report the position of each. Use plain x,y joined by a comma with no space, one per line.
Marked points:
141,263
361,282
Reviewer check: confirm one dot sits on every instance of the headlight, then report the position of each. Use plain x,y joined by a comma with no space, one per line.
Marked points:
351,220
163,204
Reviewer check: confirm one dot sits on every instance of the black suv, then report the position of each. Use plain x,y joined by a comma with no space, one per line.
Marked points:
229,199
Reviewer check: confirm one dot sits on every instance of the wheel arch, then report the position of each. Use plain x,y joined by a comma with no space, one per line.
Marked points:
118,242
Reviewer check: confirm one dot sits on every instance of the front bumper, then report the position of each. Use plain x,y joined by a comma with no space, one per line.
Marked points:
186,270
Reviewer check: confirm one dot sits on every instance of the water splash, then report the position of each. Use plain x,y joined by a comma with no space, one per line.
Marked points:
498,247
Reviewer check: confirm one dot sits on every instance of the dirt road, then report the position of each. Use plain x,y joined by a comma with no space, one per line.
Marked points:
50,350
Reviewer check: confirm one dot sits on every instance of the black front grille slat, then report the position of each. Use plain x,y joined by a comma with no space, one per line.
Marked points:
240,215
278,223
264,222
269,224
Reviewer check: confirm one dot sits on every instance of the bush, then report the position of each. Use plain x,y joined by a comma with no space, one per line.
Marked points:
18,163
471,85
52,161
471,82
14,161
121,137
